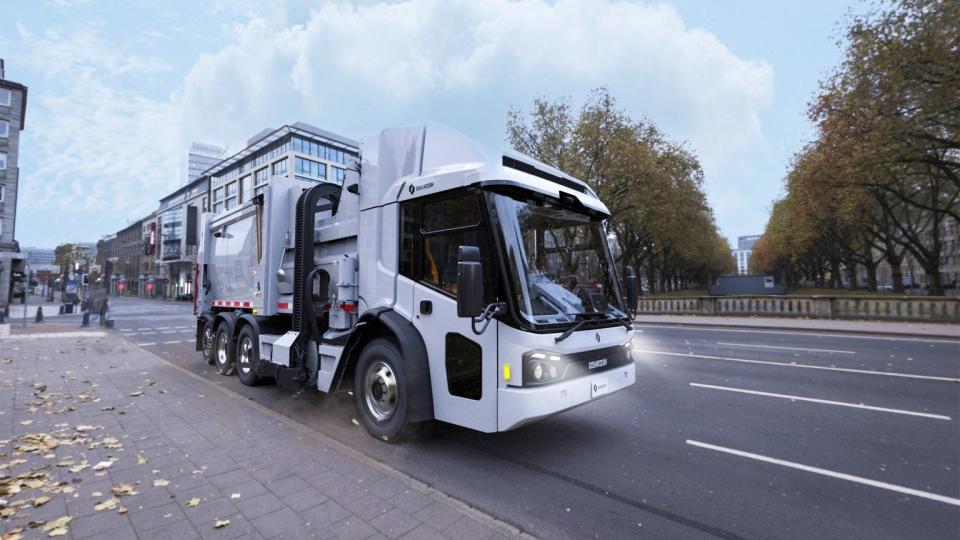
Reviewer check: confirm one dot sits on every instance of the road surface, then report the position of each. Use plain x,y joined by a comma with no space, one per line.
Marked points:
728,433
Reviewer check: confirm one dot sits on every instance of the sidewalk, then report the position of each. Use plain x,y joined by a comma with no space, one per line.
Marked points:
99,438
916,329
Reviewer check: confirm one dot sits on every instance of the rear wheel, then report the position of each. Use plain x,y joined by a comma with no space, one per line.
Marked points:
225,348
207,339
380,391
248,356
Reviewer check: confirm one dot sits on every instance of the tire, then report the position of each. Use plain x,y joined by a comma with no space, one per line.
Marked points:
207,339
225,348
248,356
380,391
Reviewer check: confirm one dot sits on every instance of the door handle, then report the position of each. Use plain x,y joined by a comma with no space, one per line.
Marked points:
426,307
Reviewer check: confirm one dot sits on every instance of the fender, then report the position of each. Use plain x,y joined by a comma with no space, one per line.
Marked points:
230,319
249,319
412,348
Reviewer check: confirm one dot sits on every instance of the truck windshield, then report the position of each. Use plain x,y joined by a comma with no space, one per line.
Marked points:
558,261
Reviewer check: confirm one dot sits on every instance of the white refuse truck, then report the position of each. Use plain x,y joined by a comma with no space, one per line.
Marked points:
436,283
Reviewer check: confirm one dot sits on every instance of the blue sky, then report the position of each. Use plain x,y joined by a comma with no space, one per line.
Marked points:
119,89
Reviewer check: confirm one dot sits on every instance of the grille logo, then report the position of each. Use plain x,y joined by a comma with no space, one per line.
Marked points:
597,363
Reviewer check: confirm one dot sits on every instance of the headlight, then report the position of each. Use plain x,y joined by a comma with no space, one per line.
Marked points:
543,367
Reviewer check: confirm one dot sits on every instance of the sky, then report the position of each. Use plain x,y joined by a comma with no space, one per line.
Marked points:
118,89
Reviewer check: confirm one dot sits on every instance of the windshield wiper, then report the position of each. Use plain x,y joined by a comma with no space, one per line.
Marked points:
569,331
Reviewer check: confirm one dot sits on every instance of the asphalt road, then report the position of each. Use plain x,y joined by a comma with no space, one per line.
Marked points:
728,433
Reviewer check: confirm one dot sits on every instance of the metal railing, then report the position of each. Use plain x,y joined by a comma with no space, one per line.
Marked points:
840,307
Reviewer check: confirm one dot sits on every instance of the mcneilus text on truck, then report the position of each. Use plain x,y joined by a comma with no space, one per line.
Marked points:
435,284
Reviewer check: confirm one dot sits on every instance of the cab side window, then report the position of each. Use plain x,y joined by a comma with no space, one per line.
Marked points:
433,229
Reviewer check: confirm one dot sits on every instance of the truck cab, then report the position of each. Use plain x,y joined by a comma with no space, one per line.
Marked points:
438,283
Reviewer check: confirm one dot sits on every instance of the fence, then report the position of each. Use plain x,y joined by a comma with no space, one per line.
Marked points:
840,307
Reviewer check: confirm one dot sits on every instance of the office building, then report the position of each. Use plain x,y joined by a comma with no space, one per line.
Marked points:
170,236
200,157
13,106
742,253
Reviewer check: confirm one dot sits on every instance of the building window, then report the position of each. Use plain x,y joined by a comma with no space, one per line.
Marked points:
310,169
3,161
5,96
260,177
218,200
4,129
231,193
339,175
3,192
280,167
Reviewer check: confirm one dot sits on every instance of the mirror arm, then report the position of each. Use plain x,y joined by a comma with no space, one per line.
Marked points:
489,312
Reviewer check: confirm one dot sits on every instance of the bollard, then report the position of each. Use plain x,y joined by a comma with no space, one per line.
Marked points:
86,319
39,317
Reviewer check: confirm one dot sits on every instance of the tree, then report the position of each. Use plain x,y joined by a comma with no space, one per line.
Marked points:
652,186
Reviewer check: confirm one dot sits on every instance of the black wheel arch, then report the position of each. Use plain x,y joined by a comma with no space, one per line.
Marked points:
384,322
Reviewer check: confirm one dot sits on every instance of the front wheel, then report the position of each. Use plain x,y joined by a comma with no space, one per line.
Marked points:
380,391
248,356
225,350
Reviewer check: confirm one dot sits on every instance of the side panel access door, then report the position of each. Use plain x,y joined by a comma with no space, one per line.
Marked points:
463,365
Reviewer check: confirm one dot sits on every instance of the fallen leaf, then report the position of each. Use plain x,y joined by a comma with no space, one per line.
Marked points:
123,489
107,408
97,494
80,467
193,502
138,393
221,523
234,495
65,463
108,504
51,527
82,428
13,534
160,482
103,465
168,515
39,501
26,422
141,459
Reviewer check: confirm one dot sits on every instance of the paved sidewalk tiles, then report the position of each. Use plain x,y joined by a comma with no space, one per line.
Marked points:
124,445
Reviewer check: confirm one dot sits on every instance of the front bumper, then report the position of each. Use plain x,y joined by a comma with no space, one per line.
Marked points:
519,406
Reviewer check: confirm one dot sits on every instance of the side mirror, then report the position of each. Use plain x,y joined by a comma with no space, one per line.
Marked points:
469,282
633,289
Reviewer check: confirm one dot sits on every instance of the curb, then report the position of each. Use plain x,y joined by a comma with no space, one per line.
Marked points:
496,524
808,330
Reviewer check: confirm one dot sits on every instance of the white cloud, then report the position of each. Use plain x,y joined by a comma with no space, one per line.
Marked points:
361,67
95,151
102,151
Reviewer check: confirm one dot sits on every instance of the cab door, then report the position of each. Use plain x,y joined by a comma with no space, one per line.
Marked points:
463,365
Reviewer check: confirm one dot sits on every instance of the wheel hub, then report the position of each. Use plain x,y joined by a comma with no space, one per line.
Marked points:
222,349
380,389
245,350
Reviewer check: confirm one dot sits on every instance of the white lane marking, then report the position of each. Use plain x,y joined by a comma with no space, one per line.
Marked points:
782,364
811,333
186,331
181,327
142,329
169,332
163,328
823,401
784,348
53,335
147,344
171,342
832,474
